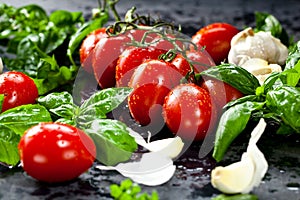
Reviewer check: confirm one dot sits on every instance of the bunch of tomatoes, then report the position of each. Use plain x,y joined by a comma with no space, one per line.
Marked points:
160,65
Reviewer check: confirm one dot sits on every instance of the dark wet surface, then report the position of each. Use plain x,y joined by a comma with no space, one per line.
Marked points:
192,177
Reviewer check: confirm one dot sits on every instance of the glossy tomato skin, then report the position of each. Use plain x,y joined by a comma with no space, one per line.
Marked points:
220,92
216,39
200,61
130,59
106,54
188,113
18,89
151,82
53,152
87,47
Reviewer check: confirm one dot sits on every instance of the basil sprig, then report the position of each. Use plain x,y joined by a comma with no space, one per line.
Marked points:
112,139
277,100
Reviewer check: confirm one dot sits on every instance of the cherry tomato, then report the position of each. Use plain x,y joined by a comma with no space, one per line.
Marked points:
130,59
216,39
200,61
106,54
88,45
18,89
188,113
220,92
53,152
151,81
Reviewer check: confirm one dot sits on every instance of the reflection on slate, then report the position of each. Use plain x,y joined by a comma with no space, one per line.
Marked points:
192,177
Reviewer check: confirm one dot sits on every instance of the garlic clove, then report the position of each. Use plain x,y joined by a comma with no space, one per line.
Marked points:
235,177
243,176
170,147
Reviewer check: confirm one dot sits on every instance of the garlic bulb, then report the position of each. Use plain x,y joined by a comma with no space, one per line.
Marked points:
243,176
247,44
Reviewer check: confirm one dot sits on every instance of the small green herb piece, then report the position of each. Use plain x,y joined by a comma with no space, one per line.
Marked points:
236,197
127,190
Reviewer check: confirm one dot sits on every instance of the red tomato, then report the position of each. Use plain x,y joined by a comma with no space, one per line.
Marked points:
216,39
53,152
151,81
18,89
87,47
130,59
220,92
200,60
187,111
106,54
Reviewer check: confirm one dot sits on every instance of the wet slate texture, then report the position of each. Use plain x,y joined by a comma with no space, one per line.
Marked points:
192,177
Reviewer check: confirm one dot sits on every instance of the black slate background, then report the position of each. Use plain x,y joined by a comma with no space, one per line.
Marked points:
192,177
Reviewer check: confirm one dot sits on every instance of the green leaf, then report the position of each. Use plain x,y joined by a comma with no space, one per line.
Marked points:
112,140
21,118
9,146
101,103
235,76
61,105
285,102
231,124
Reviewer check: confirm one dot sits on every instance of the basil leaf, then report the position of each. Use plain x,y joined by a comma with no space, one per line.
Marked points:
101,103
112,140
232,122
235,197
235,76
21,118
285,102
9,146
293,57
60,104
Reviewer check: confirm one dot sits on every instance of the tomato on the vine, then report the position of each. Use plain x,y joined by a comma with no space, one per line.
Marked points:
53,152
18,89
151,81
105,59
216,38
130,59
87,47
188,112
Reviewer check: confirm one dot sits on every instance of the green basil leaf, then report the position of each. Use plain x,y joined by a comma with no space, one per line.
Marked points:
112,140
102,102
21,118
9,146
232,122
285,102
235,76
293,57
60,104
